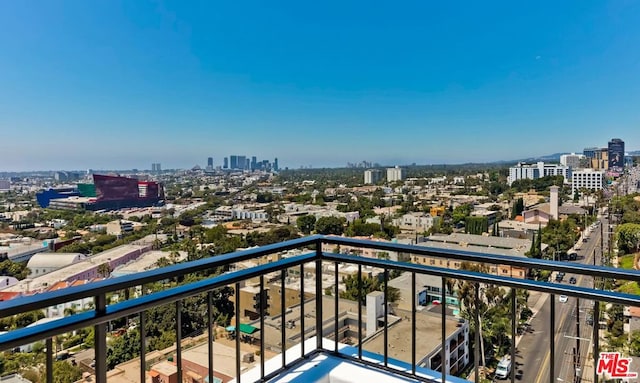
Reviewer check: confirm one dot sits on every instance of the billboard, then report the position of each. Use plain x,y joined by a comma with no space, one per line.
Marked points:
616,154
113,188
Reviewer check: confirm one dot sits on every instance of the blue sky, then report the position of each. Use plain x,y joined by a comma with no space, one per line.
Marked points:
122,84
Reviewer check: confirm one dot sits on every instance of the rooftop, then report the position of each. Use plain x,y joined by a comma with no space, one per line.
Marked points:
41,282
428,329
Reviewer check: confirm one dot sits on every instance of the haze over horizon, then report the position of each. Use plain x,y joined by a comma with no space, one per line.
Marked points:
120,85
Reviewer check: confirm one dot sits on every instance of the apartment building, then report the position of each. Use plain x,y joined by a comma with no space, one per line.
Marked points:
372,176
538,170
514,247
395,174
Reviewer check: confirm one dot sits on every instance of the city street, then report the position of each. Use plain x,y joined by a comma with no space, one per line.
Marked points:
534,351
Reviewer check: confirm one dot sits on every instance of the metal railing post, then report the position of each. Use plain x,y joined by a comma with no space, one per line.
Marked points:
335,307
283,327
143,343
596,339
143,348
179,338
443,351
237,331
49,362
552,341
319,293
100,340
478,343
514,292
302,351
210,337
386,317
263,303
360,311
413,323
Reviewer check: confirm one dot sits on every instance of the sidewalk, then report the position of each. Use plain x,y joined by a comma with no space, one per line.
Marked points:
537,300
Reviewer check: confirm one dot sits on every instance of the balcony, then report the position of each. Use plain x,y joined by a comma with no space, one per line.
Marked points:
323,336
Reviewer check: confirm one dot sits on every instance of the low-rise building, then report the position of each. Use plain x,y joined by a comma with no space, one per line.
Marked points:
418,222
121,227
514,247
428,290
43,263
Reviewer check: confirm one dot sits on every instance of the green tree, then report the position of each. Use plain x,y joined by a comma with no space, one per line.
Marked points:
330,225
123,348
628,237
461,212
306,223
104,270
518,208
634,343
24,319
476,225
14,269
368,285
64,372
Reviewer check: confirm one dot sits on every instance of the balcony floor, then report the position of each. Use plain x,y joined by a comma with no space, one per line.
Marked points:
328,368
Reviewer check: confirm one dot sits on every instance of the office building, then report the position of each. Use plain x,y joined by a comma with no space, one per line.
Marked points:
233,163
616,154
538,170
241,162
395,174
247,164
590,179
590,153
210,163
155,168
597,158
225,164
254,163
106,193
572,160
275,165
372,176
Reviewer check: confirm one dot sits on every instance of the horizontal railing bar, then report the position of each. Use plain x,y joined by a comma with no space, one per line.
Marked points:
27,335
527,284
46,299
529,263
40,301
16,306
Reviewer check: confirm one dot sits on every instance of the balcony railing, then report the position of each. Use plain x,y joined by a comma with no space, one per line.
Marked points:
321,328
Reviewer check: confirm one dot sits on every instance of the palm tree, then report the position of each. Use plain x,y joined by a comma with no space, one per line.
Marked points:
104,270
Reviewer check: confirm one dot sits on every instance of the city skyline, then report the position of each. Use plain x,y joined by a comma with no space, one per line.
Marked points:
118,85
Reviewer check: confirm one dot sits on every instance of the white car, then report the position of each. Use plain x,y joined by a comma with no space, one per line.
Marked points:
563,299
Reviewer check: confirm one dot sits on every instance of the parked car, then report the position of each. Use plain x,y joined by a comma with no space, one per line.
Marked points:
573,280
504,368
563,299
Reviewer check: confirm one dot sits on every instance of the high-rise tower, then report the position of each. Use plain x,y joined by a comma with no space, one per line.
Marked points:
616,154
